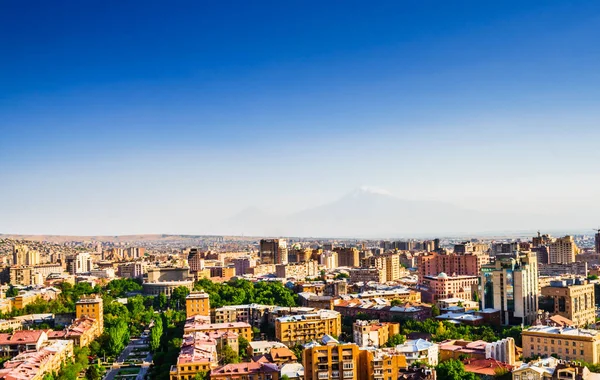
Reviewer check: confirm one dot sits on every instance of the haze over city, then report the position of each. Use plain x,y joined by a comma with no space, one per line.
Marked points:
208,118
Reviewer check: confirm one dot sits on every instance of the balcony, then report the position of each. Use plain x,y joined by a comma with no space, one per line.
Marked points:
323,375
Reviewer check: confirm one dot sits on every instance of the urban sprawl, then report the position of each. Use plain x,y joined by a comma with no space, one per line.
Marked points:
243,308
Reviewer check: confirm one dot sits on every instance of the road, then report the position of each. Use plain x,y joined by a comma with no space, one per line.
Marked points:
110,375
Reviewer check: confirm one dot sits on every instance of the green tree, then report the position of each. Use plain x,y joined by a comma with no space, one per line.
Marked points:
178,295
155,334
228,355
160,301
396,302
118,337
93,373
204,375
435,311
453,370
12,291
243,346
395,340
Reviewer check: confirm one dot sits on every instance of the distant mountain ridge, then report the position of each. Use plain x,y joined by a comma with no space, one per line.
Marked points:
371,212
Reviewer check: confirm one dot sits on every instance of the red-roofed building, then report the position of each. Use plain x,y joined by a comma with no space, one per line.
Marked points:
486,368
20,341
240,371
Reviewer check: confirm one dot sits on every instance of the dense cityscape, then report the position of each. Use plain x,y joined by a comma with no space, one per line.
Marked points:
299,190
256,309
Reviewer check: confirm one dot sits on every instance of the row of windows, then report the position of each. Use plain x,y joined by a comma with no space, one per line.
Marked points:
560,342
573,351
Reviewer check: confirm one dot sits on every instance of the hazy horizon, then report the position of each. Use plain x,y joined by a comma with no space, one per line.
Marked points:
121,119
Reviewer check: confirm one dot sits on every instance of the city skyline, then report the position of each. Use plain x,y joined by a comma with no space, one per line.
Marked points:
129,119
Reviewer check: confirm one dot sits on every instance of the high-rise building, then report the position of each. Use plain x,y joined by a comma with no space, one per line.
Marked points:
79,263
573,299
511,286
347,257
195,260
197,303
563,250
429,245
331,360
242,264
597,242
273,251
22,255
392,266
329,259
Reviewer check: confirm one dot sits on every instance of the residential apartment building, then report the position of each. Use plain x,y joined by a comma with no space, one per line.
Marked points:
201,323
22,255
197,303
300,329
246,371
373,333
297,271
347,257
511,286
198,353
195,260
331,360
79,263
419,350
243,264
91,307
131,270
367,275
569,343
442,286
573,299
468,264
253,314
380,364
563,250
329,259
552,368
35,365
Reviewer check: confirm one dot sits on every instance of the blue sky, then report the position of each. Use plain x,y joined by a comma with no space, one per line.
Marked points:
149,117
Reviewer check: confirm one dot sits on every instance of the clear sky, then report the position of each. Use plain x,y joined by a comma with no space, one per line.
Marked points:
160,116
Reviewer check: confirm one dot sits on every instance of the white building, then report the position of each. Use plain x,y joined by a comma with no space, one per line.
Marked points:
419,350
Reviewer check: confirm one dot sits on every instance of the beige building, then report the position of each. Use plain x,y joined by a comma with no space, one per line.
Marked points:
563,250
331,360
298,271
380,364
568,343
197,303
573,299
373,333
22,255
367,275
300,329
347,257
